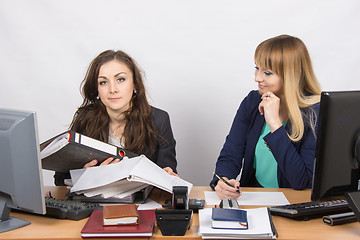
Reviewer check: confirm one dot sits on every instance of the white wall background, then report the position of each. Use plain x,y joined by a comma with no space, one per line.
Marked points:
197,57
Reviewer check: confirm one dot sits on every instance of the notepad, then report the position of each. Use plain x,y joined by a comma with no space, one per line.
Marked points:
225,218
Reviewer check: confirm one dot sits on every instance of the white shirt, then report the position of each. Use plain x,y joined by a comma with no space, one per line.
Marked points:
115,140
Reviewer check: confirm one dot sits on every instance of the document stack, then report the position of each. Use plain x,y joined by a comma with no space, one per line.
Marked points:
119,182
123,178
259,226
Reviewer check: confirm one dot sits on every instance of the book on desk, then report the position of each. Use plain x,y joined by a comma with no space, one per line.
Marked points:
94,227
226,218
126,214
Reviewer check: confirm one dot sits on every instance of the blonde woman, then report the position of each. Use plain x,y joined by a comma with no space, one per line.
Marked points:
272,140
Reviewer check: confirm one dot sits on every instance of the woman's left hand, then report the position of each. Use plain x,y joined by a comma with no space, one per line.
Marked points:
170,171
269,107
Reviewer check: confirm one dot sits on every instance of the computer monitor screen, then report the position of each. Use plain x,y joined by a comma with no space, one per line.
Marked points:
20,169
336,168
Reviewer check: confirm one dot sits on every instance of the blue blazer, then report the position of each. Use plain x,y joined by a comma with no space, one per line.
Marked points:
295,159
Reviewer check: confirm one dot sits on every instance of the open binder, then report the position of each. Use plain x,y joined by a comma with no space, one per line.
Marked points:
138,197
124,178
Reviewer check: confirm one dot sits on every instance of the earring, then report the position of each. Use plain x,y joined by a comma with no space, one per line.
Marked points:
98,97
135,91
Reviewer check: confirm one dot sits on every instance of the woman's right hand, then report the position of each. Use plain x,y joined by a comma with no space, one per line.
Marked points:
110,160
269,107
225,191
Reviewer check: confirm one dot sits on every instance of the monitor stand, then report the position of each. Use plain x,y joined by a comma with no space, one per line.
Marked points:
353,199
8,223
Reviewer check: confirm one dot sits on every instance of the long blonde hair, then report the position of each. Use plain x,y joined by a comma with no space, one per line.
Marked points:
288,57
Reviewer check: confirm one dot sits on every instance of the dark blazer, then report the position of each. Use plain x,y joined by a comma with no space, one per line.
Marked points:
295,159
163,154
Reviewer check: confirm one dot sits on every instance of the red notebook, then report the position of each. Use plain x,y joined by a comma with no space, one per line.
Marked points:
94,226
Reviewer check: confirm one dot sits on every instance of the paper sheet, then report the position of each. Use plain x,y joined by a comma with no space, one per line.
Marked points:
55,145
149,172
118,189
122,177
251,198
147,205
109,174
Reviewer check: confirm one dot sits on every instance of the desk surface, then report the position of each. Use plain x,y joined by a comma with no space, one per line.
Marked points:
49,228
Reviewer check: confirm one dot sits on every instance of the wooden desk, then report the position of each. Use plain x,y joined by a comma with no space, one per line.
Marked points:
49,228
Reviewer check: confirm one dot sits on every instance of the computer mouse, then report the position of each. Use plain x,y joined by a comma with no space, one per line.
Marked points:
229,203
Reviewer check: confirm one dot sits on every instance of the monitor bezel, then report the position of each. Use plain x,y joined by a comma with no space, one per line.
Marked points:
337,133
22,179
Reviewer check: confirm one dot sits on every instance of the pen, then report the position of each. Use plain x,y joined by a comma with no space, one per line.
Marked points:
222,179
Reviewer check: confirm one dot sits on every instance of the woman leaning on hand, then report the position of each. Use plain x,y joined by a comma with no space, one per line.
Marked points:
272,140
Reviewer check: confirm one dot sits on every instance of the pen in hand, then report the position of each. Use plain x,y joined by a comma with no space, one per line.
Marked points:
224,180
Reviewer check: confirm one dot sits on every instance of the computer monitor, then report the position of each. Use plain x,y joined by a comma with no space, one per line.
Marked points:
336,168
20,170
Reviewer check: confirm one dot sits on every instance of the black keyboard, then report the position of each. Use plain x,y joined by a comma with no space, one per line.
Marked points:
308,210
68,209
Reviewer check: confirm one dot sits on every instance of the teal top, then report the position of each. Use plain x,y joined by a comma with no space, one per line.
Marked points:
265,164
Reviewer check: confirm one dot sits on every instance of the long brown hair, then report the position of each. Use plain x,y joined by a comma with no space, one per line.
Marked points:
92,119
288,57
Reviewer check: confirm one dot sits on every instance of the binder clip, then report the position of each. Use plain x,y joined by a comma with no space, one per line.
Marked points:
175,222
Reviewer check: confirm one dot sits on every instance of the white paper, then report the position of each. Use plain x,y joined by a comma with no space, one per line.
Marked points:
258,224
122,177
251,198
99,176
117,189
55,145
148,172
147,205
76,174
127,193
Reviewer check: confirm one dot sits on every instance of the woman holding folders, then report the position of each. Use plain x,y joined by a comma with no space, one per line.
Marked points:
115,110
272,140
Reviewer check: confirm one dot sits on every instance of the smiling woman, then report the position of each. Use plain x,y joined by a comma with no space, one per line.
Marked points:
115,110
272,139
